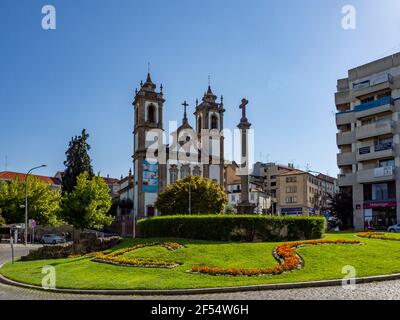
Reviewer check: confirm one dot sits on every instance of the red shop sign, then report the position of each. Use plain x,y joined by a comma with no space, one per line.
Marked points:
377,205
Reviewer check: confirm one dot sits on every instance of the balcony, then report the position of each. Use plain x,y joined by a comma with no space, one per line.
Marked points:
376,175
344,118
375,84
346,158
343,138
346,180
342,97
374,107
374,130
378,151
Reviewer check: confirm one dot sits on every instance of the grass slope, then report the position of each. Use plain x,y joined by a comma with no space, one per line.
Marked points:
373,257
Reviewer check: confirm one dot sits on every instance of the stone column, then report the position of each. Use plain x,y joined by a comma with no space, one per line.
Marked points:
244,207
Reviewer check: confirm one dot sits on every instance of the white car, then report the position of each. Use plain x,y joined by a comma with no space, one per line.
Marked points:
52,239
394,228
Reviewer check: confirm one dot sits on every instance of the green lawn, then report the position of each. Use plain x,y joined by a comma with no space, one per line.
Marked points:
373,257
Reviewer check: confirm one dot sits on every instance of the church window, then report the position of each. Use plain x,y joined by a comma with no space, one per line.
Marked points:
185,171
214,122
173,174
196,171
151,113
136,115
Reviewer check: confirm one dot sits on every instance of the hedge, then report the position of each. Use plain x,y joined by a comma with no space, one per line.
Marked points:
234,227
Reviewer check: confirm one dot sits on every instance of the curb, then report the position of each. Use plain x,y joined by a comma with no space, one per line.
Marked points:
278,286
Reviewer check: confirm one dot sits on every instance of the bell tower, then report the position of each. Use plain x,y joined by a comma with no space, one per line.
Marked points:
148,115
209,116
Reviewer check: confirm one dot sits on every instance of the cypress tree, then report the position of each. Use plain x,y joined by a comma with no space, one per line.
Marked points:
77,162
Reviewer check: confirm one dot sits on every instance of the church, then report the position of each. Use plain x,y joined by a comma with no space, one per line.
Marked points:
195,151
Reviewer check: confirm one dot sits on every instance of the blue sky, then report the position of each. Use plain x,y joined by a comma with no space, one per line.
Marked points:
284,56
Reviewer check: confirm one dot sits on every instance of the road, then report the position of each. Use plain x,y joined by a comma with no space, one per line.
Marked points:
386,290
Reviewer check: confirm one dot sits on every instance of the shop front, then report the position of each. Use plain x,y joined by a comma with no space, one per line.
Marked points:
379,215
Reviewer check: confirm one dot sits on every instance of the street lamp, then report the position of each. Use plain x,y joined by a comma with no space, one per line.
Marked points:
26,201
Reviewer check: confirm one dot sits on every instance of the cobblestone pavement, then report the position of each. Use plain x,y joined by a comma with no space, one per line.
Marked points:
386,290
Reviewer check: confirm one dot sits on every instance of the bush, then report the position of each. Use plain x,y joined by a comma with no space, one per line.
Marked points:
234,227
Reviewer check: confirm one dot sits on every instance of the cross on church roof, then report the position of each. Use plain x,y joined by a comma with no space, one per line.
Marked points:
185,104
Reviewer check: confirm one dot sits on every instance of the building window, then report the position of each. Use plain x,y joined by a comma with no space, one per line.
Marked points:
196,171
291,199
291,179
173,173
185,171
151,113
252,196
292,189
214,122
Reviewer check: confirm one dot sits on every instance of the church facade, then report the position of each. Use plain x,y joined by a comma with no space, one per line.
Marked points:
197,151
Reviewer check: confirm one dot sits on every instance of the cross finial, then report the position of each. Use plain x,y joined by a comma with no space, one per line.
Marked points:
209,80
243,107
148,67
185,104
161,88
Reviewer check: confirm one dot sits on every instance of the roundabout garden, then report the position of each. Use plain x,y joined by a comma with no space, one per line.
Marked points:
165,262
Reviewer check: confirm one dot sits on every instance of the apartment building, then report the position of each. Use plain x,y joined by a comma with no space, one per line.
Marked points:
233,189
266,175
368,139
303,193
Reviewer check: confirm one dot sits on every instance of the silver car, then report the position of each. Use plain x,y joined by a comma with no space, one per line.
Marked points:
52,239
394,228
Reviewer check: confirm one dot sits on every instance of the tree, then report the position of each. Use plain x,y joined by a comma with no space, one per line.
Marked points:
43,202
341,206
2,220
78,161
206,197
88,204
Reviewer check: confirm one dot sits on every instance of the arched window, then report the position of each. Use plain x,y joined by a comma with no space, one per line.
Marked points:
214,122
151,113
136,115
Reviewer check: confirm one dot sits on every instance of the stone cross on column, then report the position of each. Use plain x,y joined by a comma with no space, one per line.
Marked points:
243,107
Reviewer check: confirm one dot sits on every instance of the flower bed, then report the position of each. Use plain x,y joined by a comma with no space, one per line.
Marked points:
376,235
285,253
116,257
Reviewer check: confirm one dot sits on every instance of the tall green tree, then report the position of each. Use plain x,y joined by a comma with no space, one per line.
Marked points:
341,206
88,204
43,202
206,197
77,162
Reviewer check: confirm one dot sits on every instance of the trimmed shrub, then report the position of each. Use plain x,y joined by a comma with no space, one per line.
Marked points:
234,227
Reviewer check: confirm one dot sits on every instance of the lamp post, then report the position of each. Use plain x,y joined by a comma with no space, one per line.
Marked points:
26,200
190,194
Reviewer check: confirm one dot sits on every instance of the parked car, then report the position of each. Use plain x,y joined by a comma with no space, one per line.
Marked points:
394,228
52,239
